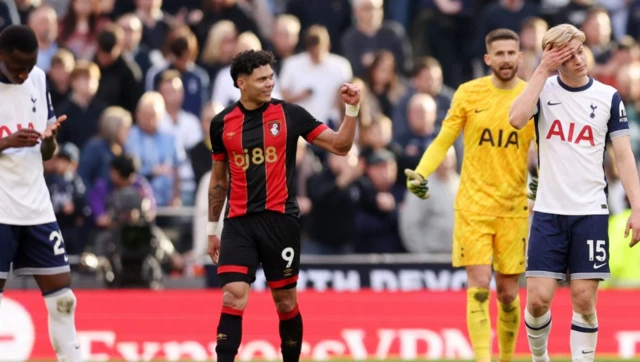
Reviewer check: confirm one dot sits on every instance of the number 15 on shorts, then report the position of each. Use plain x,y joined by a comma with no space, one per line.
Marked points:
597,250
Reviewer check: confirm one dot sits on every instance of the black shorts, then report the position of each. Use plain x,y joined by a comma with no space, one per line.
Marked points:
267,237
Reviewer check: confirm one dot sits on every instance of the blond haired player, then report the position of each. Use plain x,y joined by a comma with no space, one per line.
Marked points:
575,116
491,224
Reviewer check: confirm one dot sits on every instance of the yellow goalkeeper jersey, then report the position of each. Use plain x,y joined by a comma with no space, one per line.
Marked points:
493,180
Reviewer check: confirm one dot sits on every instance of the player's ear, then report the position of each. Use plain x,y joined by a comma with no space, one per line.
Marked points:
487,59
241,82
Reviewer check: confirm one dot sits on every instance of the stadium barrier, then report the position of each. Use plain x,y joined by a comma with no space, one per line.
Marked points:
380,272
139,325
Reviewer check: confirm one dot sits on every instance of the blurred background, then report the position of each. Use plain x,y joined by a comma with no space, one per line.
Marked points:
140,81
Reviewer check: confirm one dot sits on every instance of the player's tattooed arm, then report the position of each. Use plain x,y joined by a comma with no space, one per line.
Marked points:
218,186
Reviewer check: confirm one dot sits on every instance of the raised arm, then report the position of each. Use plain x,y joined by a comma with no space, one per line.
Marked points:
339,142
525,106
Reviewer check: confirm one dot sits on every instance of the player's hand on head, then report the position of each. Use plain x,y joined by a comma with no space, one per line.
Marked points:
633,228
52,130
214,248
350,94
554,57
416,184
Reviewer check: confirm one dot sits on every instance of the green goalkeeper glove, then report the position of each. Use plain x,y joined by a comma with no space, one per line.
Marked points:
417,184
533,188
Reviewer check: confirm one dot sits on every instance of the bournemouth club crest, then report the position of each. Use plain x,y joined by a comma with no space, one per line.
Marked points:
274,127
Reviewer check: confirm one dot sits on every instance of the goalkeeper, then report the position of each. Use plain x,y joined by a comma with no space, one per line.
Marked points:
491,218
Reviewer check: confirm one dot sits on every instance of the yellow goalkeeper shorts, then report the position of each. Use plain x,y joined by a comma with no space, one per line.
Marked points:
484,240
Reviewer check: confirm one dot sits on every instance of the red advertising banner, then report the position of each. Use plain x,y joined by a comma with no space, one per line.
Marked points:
174,325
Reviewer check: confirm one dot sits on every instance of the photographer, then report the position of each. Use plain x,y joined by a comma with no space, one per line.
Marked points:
124,208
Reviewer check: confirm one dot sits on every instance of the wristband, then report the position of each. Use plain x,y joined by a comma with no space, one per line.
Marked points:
351,110
212,227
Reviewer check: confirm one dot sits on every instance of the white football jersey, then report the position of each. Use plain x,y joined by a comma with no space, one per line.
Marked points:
572,128
24,195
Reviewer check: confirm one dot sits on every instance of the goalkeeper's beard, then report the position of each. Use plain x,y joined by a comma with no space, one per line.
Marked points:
498,74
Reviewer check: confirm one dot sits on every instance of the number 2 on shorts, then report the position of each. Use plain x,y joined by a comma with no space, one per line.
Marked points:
597,248
58,248
287,255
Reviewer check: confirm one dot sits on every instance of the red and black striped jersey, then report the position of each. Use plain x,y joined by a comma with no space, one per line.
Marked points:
260,146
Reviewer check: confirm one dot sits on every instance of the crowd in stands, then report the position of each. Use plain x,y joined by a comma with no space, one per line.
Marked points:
140,81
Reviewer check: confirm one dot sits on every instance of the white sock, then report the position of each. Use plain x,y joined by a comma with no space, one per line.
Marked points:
584,337
538,330
61,306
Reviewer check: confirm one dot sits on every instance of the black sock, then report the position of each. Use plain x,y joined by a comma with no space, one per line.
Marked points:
291,335
229,334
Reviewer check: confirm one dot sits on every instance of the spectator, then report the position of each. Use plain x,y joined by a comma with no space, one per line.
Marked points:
507,14
377,221
625,52
427,227
8,14
133,49
312,78
633,22
285,38
44,22
385,82
80,27
426,78
335,15
181,52
114,126
531,33
156,23
60,6
574,13
82,108
121,82
184,126
68,197
377,135
25,8
422,112
59,77
371,34
447,30
123,173
597,30
335,196
216,10
200,154
219,48
159,153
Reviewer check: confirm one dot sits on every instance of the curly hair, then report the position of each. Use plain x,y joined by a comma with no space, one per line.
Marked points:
245,62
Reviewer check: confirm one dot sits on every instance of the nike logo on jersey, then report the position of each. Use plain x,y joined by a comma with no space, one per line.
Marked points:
596,266
553,104
480,110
